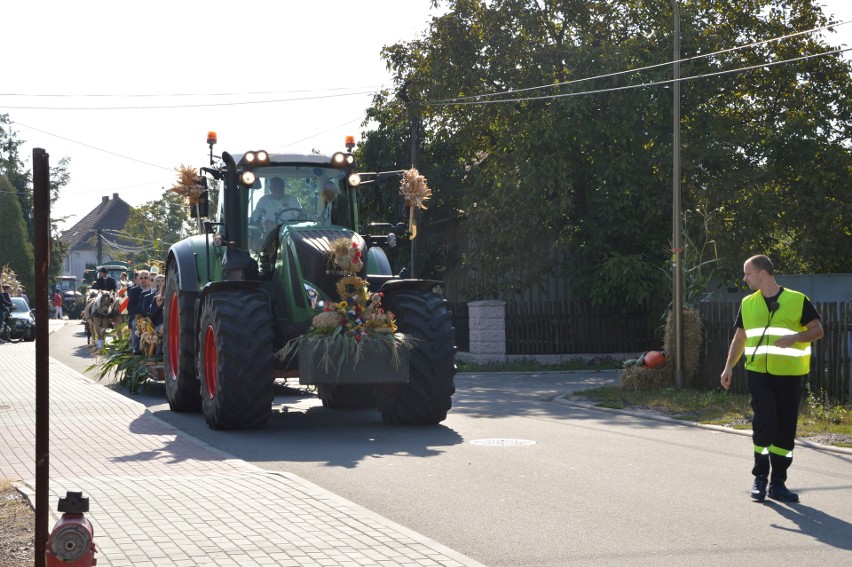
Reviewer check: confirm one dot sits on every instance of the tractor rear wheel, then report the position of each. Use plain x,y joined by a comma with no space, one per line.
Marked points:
427,397
347,396
182,387
235,360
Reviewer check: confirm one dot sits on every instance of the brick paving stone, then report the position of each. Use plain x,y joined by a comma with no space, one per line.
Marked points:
258,518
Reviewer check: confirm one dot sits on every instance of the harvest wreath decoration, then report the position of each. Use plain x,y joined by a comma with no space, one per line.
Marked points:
189,187
413,187
342,329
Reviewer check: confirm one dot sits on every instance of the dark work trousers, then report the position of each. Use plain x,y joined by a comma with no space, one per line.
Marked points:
775,402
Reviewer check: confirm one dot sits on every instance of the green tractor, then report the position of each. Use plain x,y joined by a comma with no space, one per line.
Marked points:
240,292
72,300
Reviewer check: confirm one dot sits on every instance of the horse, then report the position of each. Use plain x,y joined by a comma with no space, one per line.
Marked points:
102,311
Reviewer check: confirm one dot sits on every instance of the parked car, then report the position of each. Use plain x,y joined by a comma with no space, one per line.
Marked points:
21,320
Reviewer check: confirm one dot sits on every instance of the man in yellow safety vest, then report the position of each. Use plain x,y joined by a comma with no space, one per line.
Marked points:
774,330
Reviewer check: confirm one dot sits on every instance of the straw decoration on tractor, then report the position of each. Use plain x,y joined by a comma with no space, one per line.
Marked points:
189,186
415,190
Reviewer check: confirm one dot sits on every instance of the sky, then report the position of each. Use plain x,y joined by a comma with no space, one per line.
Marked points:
128,91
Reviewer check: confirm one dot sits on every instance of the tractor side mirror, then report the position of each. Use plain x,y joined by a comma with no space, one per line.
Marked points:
203,209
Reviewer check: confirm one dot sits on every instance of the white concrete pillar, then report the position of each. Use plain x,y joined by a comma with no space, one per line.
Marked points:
487,320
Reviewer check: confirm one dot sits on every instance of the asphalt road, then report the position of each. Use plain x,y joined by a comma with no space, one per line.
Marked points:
513,478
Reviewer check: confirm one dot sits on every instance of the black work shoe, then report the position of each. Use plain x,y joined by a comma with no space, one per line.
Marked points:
758,489
777,491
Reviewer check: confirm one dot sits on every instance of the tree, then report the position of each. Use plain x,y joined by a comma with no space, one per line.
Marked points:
17,251
21,181
587,174
153,227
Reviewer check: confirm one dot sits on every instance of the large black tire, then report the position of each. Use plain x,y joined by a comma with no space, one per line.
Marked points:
347,396
183,389
235,360
427,397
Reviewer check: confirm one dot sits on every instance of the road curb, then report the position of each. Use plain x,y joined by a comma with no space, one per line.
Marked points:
722,429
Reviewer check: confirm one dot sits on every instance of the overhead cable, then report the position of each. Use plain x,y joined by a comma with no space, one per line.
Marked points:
638,69
640,85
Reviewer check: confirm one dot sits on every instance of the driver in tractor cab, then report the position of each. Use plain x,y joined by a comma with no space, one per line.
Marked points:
277,207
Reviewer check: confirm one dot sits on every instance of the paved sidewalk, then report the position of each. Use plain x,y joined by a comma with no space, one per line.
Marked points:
160,497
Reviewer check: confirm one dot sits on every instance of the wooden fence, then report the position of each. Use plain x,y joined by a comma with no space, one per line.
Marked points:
831,356
461,325
571,327
566,327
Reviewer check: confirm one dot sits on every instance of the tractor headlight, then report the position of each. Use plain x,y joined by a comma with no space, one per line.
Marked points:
354,180
342,159
248,178
255,158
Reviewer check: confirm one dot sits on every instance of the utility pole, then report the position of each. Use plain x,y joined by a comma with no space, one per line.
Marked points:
414,149
41,219
100,246
677,236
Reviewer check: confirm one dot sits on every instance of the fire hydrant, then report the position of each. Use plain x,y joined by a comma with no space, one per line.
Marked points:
72,541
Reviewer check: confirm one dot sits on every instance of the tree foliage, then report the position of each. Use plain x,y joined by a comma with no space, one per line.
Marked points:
588,174
17,251
20,180
153,227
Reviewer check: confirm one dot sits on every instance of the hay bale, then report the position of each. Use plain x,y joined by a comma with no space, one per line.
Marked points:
693,336
636,378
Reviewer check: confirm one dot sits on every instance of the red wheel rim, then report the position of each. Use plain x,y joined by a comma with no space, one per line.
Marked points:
174,336
211,369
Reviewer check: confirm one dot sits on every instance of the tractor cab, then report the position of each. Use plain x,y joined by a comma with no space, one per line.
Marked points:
287,192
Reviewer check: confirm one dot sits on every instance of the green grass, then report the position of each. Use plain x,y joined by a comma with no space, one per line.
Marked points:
817,417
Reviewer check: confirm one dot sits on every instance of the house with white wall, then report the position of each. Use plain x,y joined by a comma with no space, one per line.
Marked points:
108,218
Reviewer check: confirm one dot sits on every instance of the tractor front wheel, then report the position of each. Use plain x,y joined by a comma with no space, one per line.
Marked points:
235,360
427,397
182,386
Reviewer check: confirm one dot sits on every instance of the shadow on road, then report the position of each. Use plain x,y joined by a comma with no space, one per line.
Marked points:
816,524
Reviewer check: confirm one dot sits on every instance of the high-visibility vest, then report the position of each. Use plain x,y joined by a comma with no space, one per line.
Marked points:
794,360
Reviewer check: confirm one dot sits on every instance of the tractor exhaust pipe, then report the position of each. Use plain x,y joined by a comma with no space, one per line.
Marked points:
237,264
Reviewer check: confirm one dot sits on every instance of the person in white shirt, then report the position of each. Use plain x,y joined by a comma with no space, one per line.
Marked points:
277,207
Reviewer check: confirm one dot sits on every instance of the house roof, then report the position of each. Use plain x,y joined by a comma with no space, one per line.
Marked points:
110,214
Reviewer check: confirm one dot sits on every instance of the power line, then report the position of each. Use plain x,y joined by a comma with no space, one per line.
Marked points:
91,147
169,95
641,85
323,132
197,105
646,68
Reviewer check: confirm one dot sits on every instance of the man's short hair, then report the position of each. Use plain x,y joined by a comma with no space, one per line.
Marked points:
102,271
762,262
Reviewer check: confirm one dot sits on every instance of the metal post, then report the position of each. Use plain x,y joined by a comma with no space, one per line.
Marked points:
677,237
41,214
100,246
414,118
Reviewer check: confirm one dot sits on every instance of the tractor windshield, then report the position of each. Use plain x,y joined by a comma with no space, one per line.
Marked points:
296,193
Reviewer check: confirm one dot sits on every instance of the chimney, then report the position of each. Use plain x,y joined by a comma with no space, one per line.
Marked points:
104,199
115,196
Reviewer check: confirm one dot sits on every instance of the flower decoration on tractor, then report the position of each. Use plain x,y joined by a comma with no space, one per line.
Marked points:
340,330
